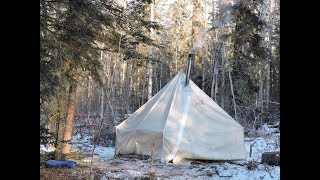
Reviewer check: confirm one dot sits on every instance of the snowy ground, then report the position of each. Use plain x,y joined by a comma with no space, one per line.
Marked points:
134,167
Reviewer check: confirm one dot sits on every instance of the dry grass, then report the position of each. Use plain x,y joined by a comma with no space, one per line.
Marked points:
56,174
79,172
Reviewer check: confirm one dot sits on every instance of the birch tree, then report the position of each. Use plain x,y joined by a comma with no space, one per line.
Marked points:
195,38
150,51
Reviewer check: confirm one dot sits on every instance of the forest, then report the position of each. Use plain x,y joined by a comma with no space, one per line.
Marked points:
101,60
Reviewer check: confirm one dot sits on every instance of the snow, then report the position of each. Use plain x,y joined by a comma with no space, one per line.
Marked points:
266,130
130,168
236,170
83,144
269,141
105,152
45,148
231,171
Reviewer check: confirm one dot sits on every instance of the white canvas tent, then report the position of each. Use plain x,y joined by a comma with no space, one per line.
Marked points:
184,123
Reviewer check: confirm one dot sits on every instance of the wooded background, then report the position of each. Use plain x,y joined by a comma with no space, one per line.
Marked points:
105,58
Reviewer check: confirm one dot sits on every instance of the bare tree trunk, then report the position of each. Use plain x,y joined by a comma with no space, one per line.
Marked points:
203,70
138,92
176,39
268,68
127,99
88,100
150,79
267,96
261,68
133,77
143,88
160,76
155,75
214,72
176,49
204,47
195,39
123,77
102,87
150,52
260,86
233,97
213,78
216,87
178,64
112,109
108,73
132,93
223,75
112,103
71,108
102,102
216,6
124,85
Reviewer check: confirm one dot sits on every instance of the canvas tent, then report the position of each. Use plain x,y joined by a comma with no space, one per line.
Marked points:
183,122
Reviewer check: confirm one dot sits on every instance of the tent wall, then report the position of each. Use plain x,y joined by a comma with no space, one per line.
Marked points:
146,124
141,143
183,122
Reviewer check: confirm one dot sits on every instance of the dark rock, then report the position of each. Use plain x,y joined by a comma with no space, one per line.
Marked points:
271,158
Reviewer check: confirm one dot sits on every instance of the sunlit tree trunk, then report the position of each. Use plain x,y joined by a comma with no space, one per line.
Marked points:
195,39
217,5
203,55
232,93
138,89
71,107
63,108
151,56
213,73
216,87
223,75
